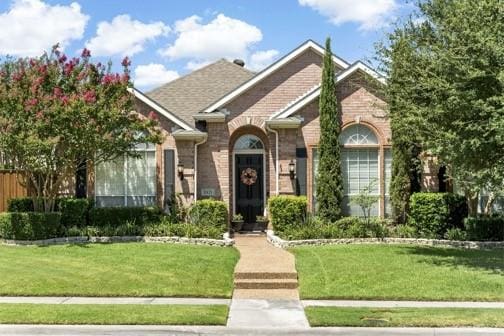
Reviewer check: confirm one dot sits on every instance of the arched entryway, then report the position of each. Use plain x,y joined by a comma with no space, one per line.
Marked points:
249,179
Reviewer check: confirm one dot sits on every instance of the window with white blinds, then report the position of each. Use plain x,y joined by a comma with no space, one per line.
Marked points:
128,181
360,169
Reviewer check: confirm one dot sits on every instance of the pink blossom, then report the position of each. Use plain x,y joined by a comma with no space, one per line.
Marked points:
68,68
57,92
64,100
31,102
125,78
42,69
62,58
39,115
126,61
152,115
86,53
33,62
17,76
89,97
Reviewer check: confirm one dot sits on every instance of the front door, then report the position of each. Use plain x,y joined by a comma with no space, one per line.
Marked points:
249,180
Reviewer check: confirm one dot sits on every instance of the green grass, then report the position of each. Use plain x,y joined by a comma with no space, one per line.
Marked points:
404,317
117,270
113,314
382,272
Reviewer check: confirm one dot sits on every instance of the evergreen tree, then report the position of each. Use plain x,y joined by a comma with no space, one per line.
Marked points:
329,191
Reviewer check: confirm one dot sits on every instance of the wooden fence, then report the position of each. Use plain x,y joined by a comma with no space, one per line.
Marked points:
9,188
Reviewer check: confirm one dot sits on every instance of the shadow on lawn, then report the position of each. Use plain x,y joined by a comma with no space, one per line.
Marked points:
491,261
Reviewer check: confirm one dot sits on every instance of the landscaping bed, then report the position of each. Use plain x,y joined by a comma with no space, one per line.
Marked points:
404,317
126,269
113,314
398,272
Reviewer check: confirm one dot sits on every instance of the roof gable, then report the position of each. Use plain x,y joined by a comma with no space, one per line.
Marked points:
271,69
314,93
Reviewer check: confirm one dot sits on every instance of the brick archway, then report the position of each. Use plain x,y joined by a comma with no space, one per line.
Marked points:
235,134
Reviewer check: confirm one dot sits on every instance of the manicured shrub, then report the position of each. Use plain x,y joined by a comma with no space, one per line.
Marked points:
404,231
287,211
455,234
209,213
30,225
432,214
74,211
485,228
20,204
116,216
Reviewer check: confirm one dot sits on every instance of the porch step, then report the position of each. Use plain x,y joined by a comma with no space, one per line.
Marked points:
265,275
266,283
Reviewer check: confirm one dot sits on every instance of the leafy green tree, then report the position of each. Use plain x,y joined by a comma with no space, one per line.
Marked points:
366,200
446,77
329,191
55,112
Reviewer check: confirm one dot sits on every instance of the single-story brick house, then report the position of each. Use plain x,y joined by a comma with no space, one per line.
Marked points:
242,137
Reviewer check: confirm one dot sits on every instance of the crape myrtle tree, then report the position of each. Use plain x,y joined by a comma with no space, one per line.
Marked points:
445,68
329,191
55,112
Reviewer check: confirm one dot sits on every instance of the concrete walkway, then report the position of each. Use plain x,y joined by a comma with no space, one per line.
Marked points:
112,300
401,304
136,330
266,293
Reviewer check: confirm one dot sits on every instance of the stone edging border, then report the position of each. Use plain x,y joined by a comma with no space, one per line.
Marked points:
281,243
225,242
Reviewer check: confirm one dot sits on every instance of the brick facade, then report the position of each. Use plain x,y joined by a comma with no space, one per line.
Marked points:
359,102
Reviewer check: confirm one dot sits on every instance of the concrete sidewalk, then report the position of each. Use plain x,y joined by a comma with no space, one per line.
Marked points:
401,304
112,300
93,330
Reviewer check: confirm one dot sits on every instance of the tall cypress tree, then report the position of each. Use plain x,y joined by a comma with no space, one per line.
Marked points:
329,178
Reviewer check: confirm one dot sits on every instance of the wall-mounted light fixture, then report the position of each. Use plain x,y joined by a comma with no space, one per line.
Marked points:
292,170
180,171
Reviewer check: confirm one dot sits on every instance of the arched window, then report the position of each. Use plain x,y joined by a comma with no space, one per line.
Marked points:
248,141
358,135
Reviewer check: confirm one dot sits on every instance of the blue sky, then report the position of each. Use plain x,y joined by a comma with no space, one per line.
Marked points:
166,39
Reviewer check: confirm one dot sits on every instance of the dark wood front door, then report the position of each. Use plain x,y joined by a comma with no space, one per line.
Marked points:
249,182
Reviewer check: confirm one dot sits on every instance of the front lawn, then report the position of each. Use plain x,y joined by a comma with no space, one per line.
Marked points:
404,317
382,272
113,314
129,269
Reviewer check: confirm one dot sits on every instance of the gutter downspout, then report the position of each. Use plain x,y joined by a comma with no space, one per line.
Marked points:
277,161
196,166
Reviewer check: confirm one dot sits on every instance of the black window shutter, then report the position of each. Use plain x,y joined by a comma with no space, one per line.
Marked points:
169,178
81,180
301,156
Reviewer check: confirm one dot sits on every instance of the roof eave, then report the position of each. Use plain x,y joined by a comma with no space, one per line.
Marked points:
286,123
215,117
189,135
158,108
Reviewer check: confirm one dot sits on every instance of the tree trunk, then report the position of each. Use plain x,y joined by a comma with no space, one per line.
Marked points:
472,203
489,204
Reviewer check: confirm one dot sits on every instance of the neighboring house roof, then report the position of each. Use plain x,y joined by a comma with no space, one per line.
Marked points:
271,69
164,112
188,95
314,93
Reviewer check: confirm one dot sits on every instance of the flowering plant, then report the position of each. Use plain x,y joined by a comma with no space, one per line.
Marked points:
57,112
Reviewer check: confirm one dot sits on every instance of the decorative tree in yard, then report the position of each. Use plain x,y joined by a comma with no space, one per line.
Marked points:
329,191
55,112
446,82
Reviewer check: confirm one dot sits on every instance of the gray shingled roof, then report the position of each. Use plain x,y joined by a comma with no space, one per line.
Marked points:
190,94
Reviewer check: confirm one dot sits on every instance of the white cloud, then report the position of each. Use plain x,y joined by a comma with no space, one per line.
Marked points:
369,14
261,59
153,74
202,43
124,36
31,27
195,65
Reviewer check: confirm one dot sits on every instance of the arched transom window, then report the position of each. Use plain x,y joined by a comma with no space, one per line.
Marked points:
248,141
358,135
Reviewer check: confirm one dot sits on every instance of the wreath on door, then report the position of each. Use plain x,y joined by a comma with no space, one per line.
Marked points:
248,176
